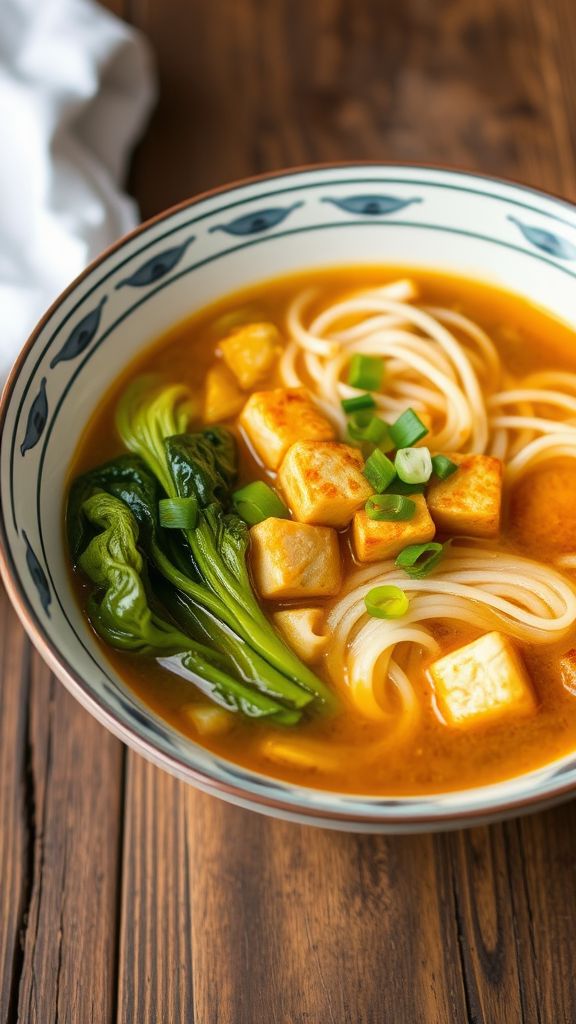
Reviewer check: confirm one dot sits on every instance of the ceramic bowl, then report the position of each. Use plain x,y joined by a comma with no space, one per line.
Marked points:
499,232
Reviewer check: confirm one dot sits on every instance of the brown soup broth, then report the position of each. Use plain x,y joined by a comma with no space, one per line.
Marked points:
437,758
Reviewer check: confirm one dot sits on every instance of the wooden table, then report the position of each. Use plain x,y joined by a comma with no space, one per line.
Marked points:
126,896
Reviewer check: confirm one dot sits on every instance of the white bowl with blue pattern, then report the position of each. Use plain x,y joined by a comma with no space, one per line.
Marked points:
501,233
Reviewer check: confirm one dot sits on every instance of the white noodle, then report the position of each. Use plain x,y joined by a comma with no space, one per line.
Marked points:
426,363
448,369
487,589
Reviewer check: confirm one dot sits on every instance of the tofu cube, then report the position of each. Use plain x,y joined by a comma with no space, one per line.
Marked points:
274,420
323,482
251,352
305,755
469,501
376,539
208,719
483,682
222,396
302,628
295,560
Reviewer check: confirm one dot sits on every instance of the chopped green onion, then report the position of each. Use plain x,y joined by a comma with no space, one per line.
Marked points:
386,602
257,502
366,372
413,465
407,429
358,403
377,433
362,426
379,470
357,424
443,466
178,513
399,487
418,560
390,508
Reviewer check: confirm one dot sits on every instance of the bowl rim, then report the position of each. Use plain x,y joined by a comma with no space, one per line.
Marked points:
382,817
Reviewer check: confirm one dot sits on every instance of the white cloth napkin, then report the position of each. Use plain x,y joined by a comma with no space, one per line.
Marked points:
76,86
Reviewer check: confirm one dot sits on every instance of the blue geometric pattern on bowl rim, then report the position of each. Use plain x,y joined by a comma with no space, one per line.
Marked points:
289,207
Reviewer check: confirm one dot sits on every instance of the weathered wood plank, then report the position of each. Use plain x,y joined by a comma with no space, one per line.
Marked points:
75,813
241,919
60,828
156,975
294,924
247,87
227,916
291,924
15,877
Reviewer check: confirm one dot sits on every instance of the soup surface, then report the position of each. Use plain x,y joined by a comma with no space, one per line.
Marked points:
398,726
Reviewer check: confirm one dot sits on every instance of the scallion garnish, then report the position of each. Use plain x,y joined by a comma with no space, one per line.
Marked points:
357,403
413,465
399,487
362,426
390,508
443,466
386,602
178,513
377,433
407,429
257,502
379,470
418,560
366,372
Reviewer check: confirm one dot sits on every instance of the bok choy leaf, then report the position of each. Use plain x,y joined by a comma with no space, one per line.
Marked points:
195,577
121,615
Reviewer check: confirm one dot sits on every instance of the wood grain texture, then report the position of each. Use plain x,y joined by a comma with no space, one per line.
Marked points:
60,829
137,900
156,925
249,86
15,872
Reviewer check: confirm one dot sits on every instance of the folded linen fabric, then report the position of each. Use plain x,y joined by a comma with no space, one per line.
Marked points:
76,88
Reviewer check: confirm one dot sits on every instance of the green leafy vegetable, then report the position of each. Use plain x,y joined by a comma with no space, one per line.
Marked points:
178,513
202,567
146,414
121,615
240,658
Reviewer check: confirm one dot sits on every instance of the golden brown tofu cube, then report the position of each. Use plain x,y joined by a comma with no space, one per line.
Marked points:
208,719
274,420
305,754
303,629
251,351
295,560
469,501
376,539
483,682
323,482
222,396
